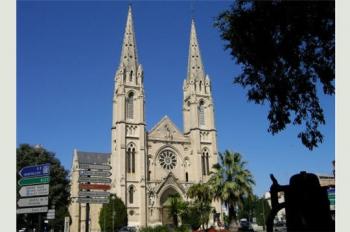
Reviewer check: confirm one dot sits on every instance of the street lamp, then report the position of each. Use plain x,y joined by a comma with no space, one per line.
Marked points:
113,215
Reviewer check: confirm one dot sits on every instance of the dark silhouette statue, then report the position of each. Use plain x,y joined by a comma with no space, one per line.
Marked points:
306,204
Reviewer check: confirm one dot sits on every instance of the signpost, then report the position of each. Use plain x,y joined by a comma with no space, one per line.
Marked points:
95,186
34,190
94,180
38,170
34,180
94,194
33,201
94,173
93,177
95,166
34,183
50,214
94,200
32,210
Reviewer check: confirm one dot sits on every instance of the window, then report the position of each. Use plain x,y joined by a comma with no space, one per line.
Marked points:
201,113
130,77
203,166
130,156
131,194
149,175
205,162
186,176
167,159
130,106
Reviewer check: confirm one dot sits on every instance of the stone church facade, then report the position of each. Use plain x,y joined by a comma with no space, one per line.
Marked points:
148,166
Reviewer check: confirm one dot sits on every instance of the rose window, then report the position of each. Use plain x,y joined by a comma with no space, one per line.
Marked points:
167,159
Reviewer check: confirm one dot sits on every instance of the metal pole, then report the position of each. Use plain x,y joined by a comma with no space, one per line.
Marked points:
113,213
104,218
87,219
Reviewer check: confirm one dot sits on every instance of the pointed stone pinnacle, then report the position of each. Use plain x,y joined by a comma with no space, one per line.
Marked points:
195,69
128,56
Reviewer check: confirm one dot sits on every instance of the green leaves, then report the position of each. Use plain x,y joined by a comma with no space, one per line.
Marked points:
117,206
286,51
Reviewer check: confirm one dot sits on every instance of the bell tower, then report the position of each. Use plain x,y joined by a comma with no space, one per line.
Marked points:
128,130
198,110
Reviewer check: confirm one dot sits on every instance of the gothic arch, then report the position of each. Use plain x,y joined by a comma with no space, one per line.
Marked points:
131,194
205,166
166,191
129,105
131,157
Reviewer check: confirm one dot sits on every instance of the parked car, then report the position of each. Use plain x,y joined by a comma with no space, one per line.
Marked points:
127,229
245,226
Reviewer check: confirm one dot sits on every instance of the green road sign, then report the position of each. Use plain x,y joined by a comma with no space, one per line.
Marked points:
34,180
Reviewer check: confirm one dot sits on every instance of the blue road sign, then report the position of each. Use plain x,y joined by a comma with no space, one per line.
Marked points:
38,170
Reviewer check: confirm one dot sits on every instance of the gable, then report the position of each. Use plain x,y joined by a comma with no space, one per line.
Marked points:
166,130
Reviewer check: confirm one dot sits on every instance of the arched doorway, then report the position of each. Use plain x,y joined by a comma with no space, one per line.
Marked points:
165,205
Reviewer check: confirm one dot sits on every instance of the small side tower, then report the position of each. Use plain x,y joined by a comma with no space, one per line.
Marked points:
198,111
128,130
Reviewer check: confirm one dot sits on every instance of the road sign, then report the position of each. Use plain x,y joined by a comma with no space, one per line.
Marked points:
38,170
94,180
94,194
94,186
50,214
34,190
34,201
94,200
95,166
34,180
94,173
32,210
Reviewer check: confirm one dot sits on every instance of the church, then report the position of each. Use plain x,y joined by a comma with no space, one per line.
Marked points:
148,166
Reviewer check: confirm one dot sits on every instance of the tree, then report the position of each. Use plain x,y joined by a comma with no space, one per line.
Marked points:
27,155
203,196
115,208
176,207
286,51
230,183
262,211
247,209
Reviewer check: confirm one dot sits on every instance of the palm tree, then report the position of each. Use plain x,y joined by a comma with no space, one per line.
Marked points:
176,207
203,196
230,183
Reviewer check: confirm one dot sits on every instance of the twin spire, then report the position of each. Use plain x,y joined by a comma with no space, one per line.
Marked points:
128,59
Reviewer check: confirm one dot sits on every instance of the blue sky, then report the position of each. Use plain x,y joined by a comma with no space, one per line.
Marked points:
67,55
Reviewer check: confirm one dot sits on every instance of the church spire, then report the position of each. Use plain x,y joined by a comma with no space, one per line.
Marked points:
128,57
195,69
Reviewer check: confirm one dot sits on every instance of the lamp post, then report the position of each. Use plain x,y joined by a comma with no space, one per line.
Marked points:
113,215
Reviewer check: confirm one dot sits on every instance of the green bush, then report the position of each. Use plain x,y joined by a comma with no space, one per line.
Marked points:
155,229
106,215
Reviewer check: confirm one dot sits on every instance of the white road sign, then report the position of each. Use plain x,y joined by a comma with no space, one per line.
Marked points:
34,190
94,194
94,200
95,166
94,180
94,173
32,210
34,201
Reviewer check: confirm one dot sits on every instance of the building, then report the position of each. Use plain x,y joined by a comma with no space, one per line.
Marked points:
148,166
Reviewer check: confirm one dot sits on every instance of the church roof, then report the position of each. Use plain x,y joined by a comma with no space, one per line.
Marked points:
165,129
93,157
